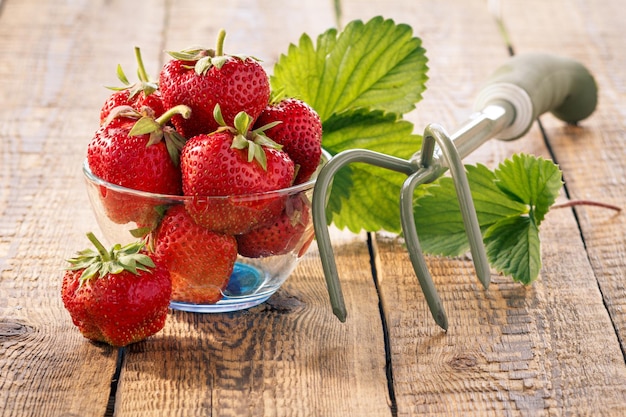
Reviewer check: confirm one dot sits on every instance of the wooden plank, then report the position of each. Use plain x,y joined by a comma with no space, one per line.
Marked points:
592,156
290,356
51,89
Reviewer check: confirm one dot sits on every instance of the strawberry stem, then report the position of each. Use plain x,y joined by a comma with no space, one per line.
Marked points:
219,47
141,69
105,256
181,109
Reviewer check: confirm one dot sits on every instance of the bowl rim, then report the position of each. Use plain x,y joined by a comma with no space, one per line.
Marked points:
294,189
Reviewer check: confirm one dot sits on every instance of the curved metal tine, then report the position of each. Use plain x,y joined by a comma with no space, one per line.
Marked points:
320,191
468,212
412,242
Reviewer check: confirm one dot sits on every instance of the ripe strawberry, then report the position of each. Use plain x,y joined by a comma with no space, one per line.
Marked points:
144,93
195,278
201,79
300,133
138,154
233,163
282,236
119,296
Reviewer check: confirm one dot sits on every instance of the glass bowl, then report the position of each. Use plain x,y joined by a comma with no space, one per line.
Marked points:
125,215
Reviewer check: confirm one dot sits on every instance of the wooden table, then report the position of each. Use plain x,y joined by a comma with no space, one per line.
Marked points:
554,348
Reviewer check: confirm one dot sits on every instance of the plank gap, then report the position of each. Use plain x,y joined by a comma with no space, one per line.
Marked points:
110,408
373,255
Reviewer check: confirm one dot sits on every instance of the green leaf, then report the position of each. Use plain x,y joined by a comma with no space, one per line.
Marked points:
363,196
377,65
438,217
513,248
510,202
530,180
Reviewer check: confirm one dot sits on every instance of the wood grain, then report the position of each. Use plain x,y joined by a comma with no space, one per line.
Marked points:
591,155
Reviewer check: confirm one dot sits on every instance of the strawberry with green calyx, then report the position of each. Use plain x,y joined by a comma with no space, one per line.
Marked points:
138,95
200,261
138,152
234,163
204,78
283,235
118,296
299,132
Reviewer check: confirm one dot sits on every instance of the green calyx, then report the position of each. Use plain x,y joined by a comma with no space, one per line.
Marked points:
145,84
159,130
102,262
254,141
205,59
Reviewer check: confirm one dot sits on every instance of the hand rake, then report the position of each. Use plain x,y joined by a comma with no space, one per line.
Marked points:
505,108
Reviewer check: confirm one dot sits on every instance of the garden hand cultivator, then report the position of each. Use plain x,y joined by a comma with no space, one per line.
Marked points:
513,97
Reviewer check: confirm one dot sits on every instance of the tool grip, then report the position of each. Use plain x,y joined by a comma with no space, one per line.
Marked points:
538,83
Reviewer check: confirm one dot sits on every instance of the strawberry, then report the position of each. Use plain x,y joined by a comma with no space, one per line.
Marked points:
141,154
282,236
299,132
119,297
144,93
201,79
236,163
178,243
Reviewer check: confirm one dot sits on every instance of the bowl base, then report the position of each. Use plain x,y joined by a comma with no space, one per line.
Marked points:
222,306
240,294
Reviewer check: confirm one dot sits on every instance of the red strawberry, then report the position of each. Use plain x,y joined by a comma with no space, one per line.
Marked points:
119,296
234,164
284,235
202,79
138,154
143,93
200,261
299,132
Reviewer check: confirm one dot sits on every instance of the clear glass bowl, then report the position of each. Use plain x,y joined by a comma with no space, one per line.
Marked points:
124,213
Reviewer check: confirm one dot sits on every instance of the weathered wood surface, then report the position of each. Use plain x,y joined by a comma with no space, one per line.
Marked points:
549,349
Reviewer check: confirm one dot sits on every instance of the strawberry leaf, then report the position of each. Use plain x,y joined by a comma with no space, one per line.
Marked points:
531,181
510,224
377,65
513,248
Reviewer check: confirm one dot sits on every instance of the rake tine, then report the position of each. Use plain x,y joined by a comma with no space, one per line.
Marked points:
412,242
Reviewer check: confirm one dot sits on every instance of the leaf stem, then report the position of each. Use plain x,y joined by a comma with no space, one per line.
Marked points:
573,203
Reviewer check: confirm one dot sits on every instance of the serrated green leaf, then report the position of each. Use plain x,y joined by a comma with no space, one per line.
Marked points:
530,180
513,247
378,65
508,222
438,217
